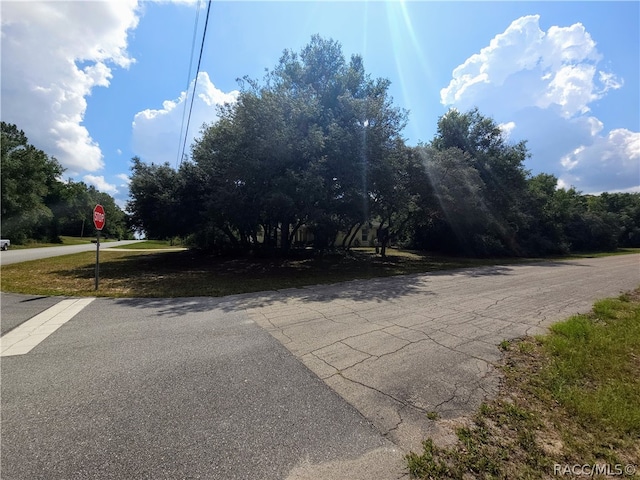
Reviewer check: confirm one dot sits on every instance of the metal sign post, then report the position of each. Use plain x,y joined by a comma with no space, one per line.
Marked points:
98,260
98,220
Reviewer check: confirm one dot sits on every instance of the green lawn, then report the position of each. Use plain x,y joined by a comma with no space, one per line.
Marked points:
65,241
189,273
149,244
184,273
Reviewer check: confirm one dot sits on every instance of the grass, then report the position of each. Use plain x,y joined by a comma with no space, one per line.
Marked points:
571,397
188,273
148,245
619,251
141,273
65,241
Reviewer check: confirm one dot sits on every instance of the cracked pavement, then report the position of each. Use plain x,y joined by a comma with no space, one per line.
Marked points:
400,348
192,387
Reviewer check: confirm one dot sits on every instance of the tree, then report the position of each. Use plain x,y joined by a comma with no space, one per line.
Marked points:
500,166
454,214
28,175
71,205
155,205
544,232
625,207
305,147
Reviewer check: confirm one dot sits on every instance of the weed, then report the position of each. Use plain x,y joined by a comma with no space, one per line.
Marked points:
525,347
426,465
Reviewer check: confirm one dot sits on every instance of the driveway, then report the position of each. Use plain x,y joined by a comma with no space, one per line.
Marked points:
399,348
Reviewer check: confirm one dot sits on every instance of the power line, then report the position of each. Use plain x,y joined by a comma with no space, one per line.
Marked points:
193,48
195,83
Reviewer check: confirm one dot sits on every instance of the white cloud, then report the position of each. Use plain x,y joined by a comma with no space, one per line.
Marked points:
545,82
156,133
635,189
507,128
124,177
53,55
612,160
557,66
100,183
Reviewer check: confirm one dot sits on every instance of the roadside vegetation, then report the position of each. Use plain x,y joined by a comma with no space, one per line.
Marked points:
568,398
313,156
137,271
62,240
37,206
191,273
151,245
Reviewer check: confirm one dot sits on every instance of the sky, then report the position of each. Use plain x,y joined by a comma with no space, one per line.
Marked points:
96,83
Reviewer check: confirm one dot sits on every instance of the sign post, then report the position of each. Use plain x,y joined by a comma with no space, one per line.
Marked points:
98,221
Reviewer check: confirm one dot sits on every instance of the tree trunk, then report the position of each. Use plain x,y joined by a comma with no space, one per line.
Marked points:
292,235
383,239
353,235
284,236
230,234
346,237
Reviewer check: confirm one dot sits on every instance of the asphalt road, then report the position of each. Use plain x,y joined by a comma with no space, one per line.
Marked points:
16,309
399,348
170,389
323,383
15,256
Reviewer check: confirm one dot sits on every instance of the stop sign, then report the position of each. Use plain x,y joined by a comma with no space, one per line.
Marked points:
98,217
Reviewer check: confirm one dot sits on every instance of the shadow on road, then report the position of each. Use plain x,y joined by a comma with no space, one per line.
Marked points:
381,290
373,290
494,270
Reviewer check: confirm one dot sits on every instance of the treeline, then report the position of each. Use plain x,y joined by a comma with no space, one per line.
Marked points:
316,147
37,205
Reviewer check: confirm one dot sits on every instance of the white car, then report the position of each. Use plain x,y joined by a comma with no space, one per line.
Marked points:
4,244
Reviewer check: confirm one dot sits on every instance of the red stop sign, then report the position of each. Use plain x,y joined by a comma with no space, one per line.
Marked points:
98,217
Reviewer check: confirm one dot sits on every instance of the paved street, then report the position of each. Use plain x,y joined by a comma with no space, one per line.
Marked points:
194,388
15,256
133,389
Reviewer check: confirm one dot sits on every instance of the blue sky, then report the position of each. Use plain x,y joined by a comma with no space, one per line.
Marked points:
95,83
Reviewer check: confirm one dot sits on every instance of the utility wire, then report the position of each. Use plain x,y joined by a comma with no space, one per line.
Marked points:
184,110
195,83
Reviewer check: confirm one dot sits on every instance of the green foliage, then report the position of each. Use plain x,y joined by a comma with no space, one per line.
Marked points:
317,144
37,205
481,201
476,183
561,221
156,206
28,175
316,148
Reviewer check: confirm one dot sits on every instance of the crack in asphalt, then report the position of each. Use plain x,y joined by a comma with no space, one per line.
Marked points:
463,314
